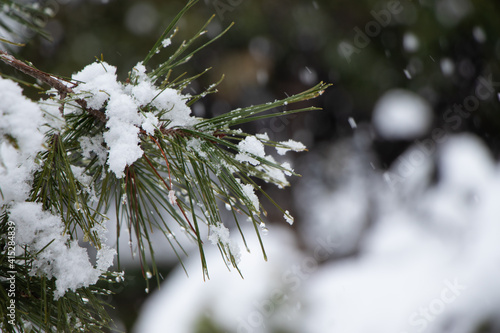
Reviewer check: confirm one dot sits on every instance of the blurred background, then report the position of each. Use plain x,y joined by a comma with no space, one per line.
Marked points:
397,221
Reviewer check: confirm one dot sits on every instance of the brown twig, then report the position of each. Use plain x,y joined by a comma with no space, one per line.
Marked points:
50,80
35,73
64,90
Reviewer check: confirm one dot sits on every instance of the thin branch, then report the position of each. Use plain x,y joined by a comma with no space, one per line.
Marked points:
36,73
168,188
50,80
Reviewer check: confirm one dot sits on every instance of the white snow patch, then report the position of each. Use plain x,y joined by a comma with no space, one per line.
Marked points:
248,148
220,234
22,138
69,264
99,86
288,168
195,144
288,218
249,193
149,123
231,302
94,145
179,114
166,42
286,146
97,82
122,136
273,174
262,136
424,261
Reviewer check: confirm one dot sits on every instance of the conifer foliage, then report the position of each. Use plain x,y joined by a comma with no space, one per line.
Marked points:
95,146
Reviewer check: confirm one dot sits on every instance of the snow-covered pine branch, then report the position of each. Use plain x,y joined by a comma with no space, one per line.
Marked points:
95,144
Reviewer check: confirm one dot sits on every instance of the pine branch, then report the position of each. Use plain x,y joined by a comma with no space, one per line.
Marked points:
46,78
135,144
51,80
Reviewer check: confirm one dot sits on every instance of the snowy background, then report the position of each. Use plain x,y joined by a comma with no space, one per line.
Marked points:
410,255
397,221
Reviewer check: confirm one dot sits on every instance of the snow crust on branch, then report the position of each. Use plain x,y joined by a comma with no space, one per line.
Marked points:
22,123
290,145
220,234
252,147
63,258
124,104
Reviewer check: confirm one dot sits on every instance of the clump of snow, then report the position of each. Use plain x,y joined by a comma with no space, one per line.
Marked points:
286,146
139,72
100,88
249,193
86,181
94,145
99,85
98,82
105,255
166,42
15,111
23,125
248,148
195,144
122,136
179,114
262,136
273,174
150,123
401,114
288,168
80,175
15,174
22,136
62,258
252,147
219,234
288,218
